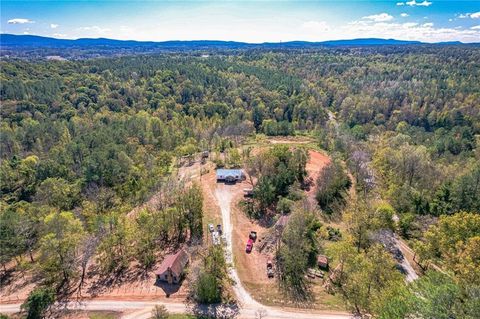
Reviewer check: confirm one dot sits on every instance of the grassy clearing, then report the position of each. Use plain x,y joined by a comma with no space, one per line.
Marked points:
103,315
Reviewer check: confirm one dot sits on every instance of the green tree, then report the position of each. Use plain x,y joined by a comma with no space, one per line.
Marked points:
38,302
57,192
437,296
365,277
143,236
332,184
455,238
59,246
298,250
207,289
191,202
264,194
212,279
113,252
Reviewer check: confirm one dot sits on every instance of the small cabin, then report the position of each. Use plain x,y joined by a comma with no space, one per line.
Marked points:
172,268
230,175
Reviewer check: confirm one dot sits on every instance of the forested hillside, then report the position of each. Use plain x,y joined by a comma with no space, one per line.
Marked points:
84,142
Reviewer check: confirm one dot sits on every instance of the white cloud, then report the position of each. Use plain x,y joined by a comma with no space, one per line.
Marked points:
404,15
20,21
53,25
26,33
316,26
412,3
450,20
410,31
474,15
477,27
382,17
425,3
59,35
95,29
400,4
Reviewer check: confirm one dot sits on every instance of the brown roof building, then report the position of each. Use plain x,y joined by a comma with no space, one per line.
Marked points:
172,267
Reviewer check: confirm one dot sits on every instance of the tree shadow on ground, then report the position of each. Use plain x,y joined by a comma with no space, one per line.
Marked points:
302,295
105,282
267,220
13,280
7,277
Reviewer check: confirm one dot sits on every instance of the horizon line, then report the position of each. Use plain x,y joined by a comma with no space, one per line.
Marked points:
233,41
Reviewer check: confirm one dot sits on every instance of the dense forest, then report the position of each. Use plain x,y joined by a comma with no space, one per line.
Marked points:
83,142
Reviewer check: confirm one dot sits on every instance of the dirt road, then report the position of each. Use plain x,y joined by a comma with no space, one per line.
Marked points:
142,310
410,275
224,196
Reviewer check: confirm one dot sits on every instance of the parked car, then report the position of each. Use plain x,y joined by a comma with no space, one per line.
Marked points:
248,192
249,247
219,229
253,235
270,273
211,228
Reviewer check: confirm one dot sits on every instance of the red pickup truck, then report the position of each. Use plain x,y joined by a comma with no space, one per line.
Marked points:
249,245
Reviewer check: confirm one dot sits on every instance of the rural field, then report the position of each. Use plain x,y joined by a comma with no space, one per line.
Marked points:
239,159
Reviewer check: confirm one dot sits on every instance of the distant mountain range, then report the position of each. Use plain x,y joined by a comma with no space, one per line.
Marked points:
25,41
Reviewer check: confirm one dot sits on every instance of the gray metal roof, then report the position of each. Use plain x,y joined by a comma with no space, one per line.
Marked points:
229,172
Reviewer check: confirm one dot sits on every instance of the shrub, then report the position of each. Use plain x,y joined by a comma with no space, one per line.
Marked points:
38,302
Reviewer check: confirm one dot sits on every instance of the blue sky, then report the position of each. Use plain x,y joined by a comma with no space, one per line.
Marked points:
249,21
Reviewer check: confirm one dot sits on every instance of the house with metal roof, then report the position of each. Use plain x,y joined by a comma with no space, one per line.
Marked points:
172,267
230,175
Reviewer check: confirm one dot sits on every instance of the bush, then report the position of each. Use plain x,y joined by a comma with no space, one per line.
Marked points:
284,206
160,312
38,302
207,289
334,234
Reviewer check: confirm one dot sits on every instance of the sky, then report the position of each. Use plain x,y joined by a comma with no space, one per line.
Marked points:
246,21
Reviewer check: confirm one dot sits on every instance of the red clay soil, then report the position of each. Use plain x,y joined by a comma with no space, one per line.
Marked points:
133,284
314,166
